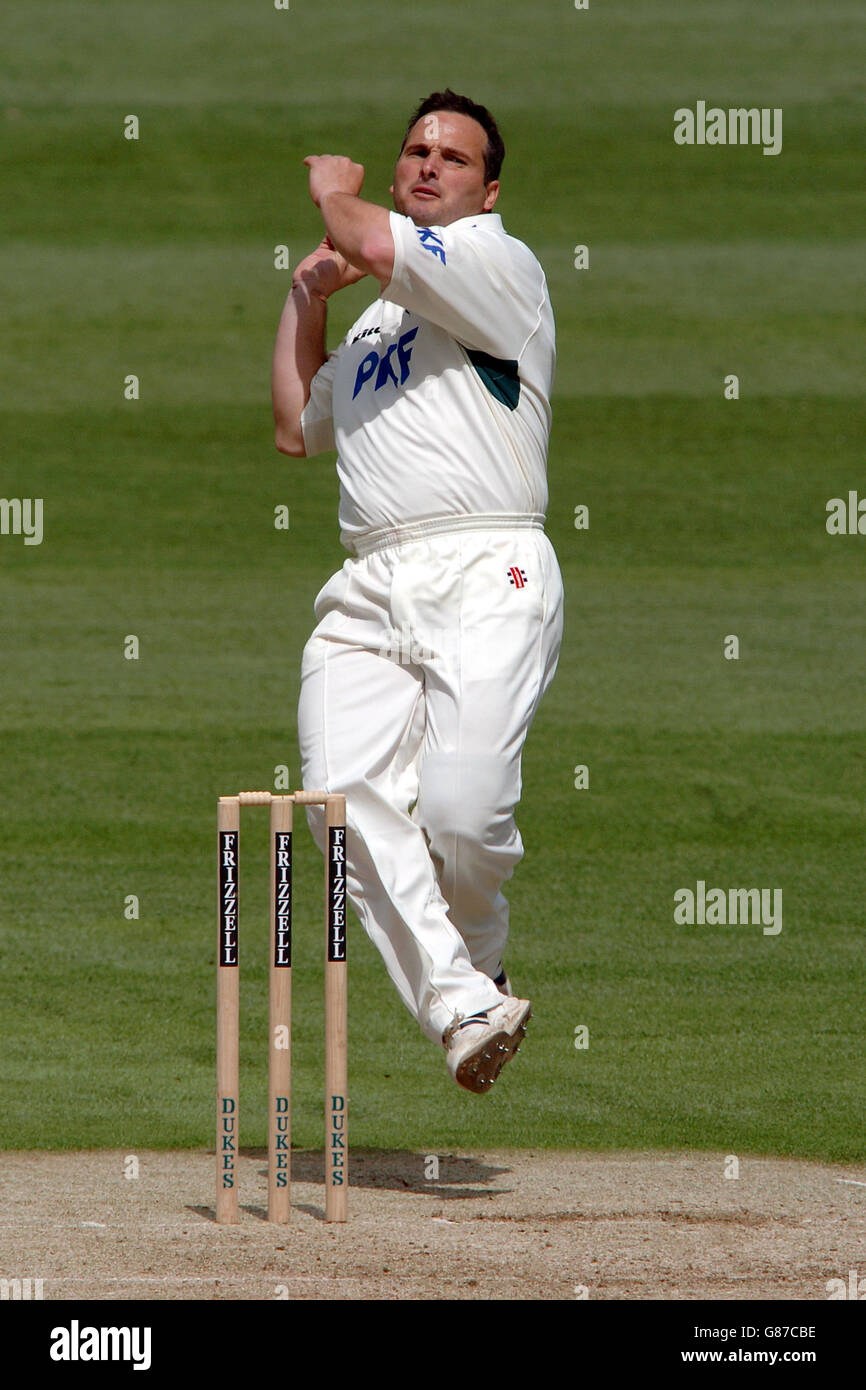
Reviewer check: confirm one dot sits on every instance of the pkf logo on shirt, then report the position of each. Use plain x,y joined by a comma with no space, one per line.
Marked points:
431,242
380,363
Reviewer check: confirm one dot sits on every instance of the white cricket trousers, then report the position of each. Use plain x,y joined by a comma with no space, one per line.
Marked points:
418,687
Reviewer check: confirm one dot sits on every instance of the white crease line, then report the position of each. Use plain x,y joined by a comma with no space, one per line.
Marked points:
852,1182
209,1279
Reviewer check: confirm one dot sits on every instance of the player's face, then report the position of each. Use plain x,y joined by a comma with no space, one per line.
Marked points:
439,176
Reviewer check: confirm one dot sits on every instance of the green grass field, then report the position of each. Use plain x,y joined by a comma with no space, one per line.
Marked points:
707,517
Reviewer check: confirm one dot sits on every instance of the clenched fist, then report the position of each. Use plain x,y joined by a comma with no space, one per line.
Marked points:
333,173
325,270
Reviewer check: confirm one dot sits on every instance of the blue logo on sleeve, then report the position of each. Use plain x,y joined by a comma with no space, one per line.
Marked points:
381,363
431,242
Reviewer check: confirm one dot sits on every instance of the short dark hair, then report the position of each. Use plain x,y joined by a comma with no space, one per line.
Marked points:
452,101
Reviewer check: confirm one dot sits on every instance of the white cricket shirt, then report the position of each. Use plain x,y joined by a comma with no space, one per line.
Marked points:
438,399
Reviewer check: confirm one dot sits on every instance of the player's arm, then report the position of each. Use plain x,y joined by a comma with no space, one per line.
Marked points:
359,230
300,349
299,352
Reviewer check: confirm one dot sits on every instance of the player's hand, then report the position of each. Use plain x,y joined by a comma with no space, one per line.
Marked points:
326,270
333,173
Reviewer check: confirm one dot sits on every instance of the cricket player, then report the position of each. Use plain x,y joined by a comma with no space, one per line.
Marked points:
437,639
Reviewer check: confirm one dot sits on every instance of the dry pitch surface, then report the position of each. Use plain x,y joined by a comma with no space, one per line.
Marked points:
494,1225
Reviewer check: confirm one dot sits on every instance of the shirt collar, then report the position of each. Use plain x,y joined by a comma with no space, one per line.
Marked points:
483,219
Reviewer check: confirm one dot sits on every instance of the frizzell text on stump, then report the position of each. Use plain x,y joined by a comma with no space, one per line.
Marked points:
228,897
337,893
283,898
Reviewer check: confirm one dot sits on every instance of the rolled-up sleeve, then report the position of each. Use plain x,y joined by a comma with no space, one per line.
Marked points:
484,289
317,419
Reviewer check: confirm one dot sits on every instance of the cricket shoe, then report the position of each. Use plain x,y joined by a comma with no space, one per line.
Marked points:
479,1046
503,984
